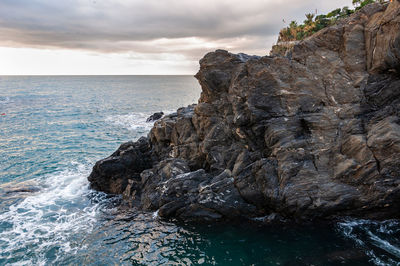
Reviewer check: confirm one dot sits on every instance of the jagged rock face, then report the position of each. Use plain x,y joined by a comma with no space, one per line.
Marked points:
315,134
113,173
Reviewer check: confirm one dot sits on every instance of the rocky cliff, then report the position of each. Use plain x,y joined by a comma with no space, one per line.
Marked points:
313,134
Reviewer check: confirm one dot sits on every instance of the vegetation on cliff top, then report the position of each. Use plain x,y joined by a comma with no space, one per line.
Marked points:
314,22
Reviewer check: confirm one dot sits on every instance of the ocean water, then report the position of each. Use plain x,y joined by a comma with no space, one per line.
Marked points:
53,129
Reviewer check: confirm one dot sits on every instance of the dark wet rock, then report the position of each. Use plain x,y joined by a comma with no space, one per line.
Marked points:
315,134
112,174
155,117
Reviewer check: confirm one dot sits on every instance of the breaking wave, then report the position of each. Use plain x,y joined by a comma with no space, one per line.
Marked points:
48,224
133,121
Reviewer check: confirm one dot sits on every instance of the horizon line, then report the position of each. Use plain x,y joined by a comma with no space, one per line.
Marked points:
77,75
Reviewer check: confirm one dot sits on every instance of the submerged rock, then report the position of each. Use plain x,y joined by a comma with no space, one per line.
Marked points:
315,134
11,188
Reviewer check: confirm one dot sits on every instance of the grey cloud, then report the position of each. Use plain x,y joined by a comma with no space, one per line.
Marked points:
122,25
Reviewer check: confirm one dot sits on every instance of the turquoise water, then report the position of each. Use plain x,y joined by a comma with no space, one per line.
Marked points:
52,131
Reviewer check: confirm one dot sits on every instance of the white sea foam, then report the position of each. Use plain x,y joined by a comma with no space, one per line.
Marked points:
384,244
133,121
49,220
373,235
4,100
155,214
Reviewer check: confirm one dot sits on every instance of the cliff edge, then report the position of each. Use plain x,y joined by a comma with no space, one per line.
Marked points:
314,134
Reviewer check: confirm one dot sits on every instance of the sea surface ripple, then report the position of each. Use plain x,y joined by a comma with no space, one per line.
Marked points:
54,128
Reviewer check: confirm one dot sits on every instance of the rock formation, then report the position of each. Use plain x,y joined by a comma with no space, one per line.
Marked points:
313,134
155,117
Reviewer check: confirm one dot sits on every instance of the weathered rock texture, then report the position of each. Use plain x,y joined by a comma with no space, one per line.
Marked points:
314,134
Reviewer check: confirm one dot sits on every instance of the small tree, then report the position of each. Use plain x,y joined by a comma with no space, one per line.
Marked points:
309,19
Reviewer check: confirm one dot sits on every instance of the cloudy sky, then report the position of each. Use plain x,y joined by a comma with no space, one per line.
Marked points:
51,37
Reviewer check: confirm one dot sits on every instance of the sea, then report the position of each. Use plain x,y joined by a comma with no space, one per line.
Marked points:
52,131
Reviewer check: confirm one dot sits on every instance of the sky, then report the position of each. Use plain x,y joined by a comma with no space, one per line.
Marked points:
139,37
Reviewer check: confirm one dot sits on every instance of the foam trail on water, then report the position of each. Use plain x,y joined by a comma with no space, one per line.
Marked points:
375,237
47,223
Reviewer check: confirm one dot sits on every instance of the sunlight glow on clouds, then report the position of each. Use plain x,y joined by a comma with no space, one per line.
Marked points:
28,61
138,36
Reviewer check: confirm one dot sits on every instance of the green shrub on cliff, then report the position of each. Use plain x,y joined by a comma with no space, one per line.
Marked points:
314,23
362,3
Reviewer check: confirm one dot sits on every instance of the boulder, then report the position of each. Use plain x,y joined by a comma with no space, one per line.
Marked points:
155,117
112,174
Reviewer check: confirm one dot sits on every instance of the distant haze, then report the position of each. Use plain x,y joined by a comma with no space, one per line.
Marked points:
86,37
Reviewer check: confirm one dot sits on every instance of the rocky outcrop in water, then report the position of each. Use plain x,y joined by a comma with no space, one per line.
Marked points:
155,117
314,134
